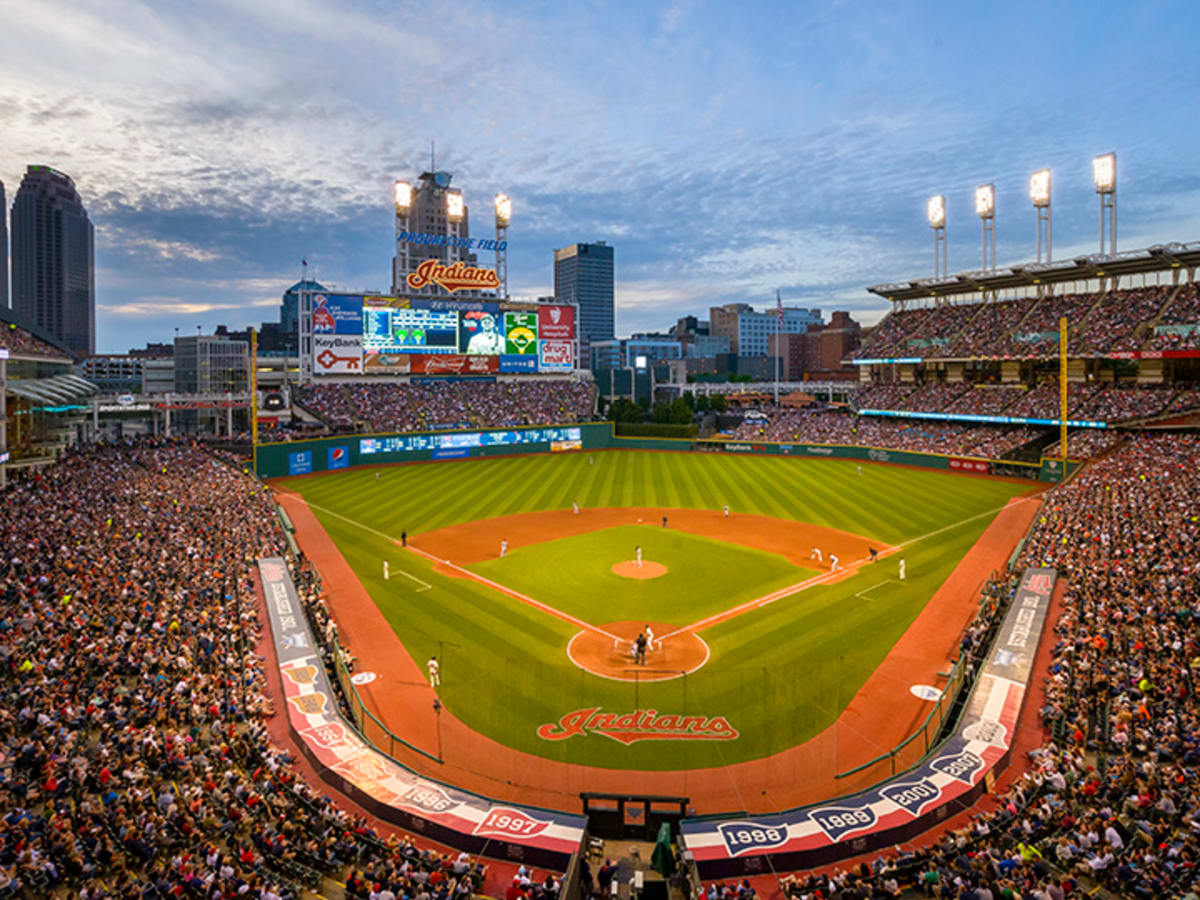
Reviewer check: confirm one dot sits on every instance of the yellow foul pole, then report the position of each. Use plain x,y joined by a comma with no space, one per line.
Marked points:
254,400
1062,390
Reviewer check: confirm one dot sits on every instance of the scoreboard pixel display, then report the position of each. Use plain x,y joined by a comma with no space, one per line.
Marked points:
364,334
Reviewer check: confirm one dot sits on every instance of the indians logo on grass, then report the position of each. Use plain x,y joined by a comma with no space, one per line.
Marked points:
639,725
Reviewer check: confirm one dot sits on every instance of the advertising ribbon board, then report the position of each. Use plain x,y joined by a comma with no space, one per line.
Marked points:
385,787
951,776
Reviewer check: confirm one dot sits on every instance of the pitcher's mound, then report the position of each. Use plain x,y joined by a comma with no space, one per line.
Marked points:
630,569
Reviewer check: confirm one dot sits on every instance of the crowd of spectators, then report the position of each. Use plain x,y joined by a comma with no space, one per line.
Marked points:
1118,320
1110,799
448,405
1085,443
15,339
134,762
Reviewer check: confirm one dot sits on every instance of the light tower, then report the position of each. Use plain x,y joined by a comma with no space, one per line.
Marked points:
1104,175
985,208
1039,193
402,193
503,205
935,211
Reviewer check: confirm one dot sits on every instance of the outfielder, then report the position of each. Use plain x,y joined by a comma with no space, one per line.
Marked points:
903,570
503,549
435,680
727,510
575,507
385,570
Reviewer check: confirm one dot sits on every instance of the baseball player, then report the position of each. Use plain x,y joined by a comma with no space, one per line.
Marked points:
385,570
435,680
664,521
833,563
816,554
503,549
860,470
575,507
874,554
727,510
404,539
903,570
640,645
638,553
376,476
650,637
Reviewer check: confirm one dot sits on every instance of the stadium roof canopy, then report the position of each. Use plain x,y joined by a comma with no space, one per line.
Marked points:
53,391
1159,258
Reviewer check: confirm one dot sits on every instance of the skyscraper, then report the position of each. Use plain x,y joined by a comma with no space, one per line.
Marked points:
583,274
3,249
54,282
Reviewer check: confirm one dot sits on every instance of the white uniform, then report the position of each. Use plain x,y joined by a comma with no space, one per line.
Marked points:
385,570
816,554
638,552
903,570
727,510
649,637
503,548
860,470
575,507
435,679
833,563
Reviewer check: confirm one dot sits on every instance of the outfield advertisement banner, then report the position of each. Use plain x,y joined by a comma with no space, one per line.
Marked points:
950,778
385,787
968,464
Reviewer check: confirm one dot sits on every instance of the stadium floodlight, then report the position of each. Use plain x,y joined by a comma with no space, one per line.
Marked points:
1039,187
1039,193
1104,173
503,210
1104,176
985,201
935,211
985,208
454,206
402,191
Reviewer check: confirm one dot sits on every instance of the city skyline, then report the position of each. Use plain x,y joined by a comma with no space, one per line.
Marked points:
723,155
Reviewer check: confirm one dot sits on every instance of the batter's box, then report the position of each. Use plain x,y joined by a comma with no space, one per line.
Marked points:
863,594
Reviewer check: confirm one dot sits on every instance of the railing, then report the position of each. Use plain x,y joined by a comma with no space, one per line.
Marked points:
373,731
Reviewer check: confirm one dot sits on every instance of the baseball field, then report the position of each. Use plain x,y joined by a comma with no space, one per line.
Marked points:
759,644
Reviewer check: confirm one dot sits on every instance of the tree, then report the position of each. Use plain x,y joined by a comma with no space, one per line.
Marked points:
702,403
717,403
624,410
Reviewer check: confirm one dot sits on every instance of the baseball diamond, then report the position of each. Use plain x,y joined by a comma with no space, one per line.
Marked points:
745,628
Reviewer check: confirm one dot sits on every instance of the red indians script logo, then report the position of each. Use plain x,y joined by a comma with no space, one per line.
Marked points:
640,725
323,322
457,277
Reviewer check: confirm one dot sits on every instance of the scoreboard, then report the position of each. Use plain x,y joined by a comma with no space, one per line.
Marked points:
355,334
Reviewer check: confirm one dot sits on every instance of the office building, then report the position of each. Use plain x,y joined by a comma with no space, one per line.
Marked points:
583,274
748,331
211,364
289,310
3,249
53,260
435,225
819,351
623,352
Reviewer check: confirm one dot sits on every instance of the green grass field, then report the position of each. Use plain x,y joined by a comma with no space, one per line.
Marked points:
780,674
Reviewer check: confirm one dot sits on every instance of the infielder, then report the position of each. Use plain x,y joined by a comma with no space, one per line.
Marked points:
435,680
816,554
503,549
638,553
903,570
385,570
833,563
575,507
727,510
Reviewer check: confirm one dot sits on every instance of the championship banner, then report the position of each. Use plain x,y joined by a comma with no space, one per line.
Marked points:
389,790
952,776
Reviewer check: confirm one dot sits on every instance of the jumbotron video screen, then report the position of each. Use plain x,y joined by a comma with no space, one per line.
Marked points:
357,334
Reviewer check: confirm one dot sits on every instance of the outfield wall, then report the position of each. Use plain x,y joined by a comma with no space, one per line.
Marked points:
350,450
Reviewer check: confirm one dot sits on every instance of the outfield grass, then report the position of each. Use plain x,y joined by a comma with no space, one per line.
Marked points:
704,576
780,673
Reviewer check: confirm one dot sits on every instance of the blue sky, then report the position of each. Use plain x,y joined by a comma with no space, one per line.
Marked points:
725,150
